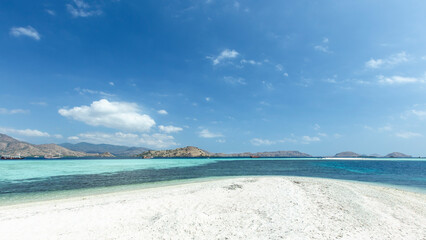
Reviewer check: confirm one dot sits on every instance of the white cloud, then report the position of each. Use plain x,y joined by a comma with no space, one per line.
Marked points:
225,54
117,115
331,80
336,135
39,103
156,140
205,133
407,135
12,111
385,128
316,126
279,67
25,31
252,62
237,5
373,63
398,80
392,60
25,132
162,112
418,113
208,99
268,85
323,47
111,83
169,129
221,141
308,139
59,136
79,8
421,114
260,142
285,74
83,91
51,12
235,80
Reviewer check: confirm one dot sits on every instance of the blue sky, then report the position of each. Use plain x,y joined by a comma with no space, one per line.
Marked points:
226,76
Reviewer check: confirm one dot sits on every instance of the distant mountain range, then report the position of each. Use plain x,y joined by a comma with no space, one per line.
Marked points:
196,152
121,151
11,146
264,154
191,151
349,154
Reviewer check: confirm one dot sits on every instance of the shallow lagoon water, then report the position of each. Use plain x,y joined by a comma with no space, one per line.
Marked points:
37,179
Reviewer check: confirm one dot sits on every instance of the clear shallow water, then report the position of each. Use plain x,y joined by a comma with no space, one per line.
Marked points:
30,178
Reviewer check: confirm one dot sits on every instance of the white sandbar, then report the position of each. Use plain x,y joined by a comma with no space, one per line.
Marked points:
238,208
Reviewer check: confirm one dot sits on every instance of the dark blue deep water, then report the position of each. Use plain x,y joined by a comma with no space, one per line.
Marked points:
49,176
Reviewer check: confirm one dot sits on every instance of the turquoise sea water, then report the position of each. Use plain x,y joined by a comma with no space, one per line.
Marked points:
24,179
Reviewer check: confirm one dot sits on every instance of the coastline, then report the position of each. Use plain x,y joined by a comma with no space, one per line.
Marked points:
240,207
36,198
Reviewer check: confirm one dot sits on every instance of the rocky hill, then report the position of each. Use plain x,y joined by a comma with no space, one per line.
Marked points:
178,152
264,154
397,155
11,146
102,148
347,154
196,152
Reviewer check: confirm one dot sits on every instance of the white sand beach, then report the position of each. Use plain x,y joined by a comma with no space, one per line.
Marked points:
238,208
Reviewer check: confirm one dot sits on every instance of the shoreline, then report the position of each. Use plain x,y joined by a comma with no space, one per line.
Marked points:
242,207
34,198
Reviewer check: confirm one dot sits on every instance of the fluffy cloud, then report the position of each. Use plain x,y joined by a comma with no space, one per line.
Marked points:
25,31
398,80
225,54
392,60
205,133
169,129
25,132
12,111
117,115
162,112
79,8
407,135
156,140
